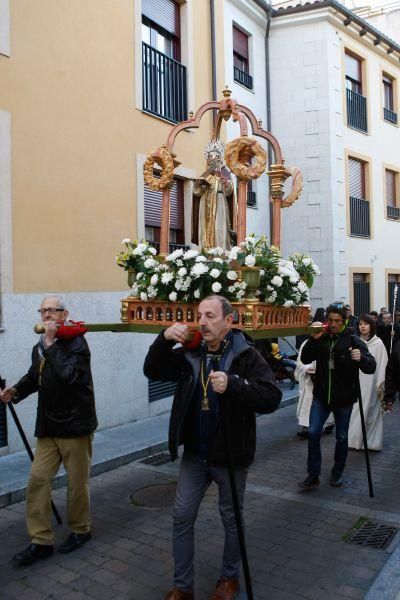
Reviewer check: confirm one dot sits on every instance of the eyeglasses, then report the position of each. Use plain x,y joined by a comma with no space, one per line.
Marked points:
50,310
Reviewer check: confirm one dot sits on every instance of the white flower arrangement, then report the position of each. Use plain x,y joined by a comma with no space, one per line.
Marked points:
189,276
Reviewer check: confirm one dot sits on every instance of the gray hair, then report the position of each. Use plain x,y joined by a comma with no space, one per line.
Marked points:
227,308
60,302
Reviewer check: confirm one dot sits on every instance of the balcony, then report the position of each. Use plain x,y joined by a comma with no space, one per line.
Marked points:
164,85
390,116
393,212
243,78
359,218
356,111
172,246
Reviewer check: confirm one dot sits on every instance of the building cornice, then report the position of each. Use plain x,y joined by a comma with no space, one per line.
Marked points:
349,20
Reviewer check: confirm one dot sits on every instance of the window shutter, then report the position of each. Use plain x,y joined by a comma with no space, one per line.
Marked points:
390,188
240,43
164,13
356,179
152,206
353,67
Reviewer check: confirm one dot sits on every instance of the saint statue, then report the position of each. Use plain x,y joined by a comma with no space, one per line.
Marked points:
214,202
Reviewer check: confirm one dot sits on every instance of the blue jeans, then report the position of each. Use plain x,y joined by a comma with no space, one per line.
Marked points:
195,476
318,415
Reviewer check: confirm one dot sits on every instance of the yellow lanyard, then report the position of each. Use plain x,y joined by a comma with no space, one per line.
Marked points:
205,404
41,367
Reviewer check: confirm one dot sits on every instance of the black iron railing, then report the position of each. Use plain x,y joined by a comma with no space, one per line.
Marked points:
251,198
359,217
393,212
389,115
356,111
164,85
243,78
172,246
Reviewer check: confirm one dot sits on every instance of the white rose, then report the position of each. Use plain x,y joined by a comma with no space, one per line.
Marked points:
201,258
143,296
139,275
190,254
277,281
173,296
216,287
231,289
167,277
199,269
232,275
182,272
250,260
301,286
196,293
215,273
288,303
125,241
152,250
150,262
306,262
154,279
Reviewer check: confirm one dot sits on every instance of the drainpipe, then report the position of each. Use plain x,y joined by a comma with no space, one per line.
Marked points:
268,102
213,59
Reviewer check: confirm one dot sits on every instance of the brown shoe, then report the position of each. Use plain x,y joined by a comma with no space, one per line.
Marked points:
177,594
226,589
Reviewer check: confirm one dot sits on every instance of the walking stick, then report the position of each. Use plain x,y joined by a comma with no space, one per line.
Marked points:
394,310
27,446
236,507
364,434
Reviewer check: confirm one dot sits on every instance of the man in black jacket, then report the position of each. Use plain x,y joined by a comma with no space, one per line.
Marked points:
224,381
66,418
339,354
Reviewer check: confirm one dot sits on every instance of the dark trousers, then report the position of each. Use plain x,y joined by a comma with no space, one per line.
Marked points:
318,415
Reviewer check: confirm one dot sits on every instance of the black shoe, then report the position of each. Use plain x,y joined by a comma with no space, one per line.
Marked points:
303,433
328,429
336,480
75,541
32,553
310,482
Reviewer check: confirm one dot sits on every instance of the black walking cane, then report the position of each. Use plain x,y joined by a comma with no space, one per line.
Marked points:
364,434
235,502
27,446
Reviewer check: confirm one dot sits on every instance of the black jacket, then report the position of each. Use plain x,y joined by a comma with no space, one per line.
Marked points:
392,375
339,386
65,389
251,389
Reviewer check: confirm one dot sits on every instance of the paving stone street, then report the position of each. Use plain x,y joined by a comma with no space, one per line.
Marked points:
294,540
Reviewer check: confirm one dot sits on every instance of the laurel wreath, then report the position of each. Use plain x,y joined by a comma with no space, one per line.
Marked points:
164,159
297,187
238,154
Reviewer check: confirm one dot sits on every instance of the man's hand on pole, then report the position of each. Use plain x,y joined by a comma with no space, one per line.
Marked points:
7,394
177,333
355,354
219,381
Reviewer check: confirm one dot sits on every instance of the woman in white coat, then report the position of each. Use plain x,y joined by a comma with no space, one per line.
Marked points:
303,374
369,385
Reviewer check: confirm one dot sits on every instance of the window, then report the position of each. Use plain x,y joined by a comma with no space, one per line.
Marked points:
361,293
251,195
356,102
391,185
389,113
241,72
152,216
393,280
359,206
164,77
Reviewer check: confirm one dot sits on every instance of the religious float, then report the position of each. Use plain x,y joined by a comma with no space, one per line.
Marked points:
269,293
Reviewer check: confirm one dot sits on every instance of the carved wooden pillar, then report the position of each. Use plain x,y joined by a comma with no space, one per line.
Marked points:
277,175
242,207
165,215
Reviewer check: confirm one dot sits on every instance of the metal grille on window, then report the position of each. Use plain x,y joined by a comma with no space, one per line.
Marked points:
361,292
359,206
393,211
241,58
161,389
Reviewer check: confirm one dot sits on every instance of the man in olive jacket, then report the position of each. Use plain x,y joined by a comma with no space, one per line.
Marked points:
223,381
66,418
339,354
